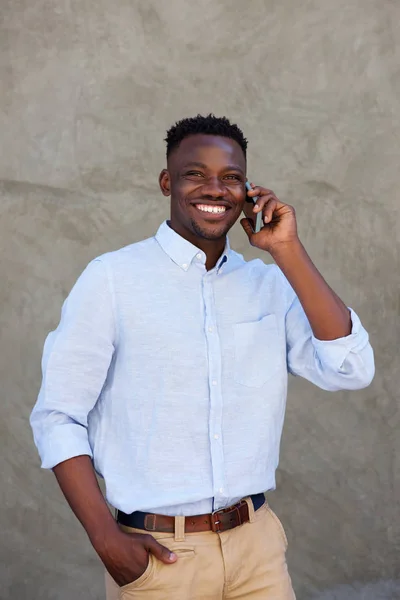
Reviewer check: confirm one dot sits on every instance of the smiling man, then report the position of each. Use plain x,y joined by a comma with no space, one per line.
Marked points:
167,375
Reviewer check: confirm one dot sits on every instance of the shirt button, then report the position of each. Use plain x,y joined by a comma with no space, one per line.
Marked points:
221,490
210,329
184,265
214,382
216,436
198,256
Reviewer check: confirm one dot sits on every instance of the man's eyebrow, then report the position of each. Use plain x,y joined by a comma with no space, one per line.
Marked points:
195,164
203,166
233,168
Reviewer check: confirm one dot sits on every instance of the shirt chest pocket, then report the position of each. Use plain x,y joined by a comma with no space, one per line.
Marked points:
258,352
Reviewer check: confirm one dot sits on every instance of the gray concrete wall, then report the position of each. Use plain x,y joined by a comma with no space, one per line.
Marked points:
88,90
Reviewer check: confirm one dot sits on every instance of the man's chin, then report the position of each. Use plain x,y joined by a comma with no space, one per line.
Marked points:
210,232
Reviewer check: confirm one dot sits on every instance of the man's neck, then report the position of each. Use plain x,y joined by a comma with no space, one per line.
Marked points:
213,249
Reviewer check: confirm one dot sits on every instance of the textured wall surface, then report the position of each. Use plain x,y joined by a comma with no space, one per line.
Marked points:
88,90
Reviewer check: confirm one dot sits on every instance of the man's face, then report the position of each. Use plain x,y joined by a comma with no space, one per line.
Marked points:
205,178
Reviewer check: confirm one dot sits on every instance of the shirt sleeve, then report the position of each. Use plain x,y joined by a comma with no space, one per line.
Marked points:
346,363
75,363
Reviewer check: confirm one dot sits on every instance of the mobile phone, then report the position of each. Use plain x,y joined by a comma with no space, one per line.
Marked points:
254,218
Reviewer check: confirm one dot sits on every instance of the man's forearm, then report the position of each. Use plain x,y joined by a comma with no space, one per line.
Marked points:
329,317
77,480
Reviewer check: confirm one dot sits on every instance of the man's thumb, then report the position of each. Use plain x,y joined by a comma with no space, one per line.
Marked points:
245,223
161,552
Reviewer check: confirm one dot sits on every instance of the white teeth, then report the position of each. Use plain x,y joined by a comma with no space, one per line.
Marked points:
211,209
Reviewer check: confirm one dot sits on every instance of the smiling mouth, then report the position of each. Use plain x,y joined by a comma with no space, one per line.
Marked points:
207,209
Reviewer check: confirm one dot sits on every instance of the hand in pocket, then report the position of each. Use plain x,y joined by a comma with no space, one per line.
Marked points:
126,555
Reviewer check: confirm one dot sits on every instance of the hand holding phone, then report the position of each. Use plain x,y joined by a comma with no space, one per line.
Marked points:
255,219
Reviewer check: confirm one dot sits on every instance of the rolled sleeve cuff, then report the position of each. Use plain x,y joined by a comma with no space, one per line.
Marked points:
62,443
333,353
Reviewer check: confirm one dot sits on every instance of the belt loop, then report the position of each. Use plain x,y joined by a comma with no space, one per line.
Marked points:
249,502
179,529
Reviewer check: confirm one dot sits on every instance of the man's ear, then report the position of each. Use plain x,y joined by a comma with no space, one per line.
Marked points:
164,181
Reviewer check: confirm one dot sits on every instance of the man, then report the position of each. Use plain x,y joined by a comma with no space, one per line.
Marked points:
167,375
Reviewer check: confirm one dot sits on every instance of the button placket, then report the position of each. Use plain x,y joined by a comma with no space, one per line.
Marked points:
215,366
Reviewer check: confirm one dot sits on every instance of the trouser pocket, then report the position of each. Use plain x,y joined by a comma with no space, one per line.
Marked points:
279,526
140,582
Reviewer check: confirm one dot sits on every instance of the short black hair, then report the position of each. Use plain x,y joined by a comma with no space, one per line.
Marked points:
209,125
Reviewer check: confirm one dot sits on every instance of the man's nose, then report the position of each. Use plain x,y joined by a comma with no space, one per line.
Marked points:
213,187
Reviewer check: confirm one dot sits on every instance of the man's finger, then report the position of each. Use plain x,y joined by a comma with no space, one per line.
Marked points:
269,209
262,201
257,190
245,223
159,551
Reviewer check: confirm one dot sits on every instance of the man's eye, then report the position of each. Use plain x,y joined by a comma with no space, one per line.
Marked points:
236,177
194,174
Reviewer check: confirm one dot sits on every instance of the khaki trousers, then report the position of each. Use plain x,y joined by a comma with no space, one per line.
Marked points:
247,562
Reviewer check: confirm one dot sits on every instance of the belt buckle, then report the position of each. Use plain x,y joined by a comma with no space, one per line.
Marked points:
215,521
231,514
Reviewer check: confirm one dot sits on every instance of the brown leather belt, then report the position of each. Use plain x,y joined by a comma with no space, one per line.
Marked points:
218,521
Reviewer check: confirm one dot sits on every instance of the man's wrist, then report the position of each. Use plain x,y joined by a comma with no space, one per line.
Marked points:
281,251
101,536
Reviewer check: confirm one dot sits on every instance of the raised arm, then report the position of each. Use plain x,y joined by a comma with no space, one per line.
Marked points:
326,341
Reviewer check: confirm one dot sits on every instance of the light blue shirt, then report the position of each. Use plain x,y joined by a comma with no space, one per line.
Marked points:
174,378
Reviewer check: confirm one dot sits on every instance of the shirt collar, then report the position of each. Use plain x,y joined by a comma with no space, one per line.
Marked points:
183,252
